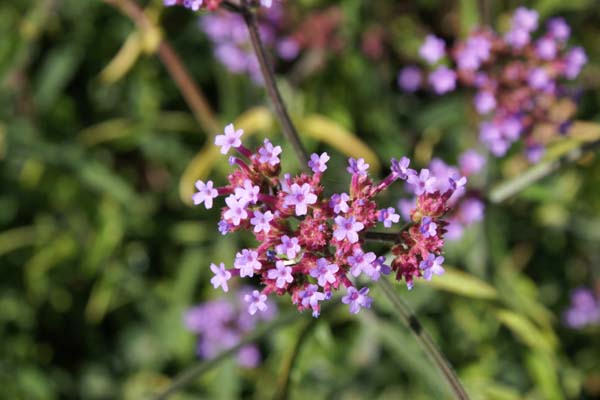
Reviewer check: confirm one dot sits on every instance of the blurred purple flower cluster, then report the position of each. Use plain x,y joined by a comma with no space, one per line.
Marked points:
584,309
220,324
210,5
519,80
229,36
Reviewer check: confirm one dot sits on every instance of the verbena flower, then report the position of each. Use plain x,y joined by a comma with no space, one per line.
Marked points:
584,309
518,79
310,244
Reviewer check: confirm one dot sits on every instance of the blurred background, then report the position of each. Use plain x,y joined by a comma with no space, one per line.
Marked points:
101,253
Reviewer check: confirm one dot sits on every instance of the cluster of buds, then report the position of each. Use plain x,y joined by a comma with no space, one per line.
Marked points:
519,80
311,244
220,324
210,5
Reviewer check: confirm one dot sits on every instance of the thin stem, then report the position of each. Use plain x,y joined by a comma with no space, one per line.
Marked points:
387,237
508,189
193,373
193,96
273,91
424,340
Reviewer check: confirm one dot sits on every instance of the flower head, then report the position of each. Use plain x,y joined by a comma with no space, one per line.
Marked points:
230,138
221,276
433,49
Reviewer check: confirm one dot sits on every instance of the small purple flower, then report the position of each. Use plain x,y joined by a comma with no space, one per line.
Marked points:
281,274
339,203
324,272
230,139
206,194
574,61
559,29
357,167
388,216
400,168
517,37
289,247
318,163
584,310
266,3
247,193
471,162
361,262
432,266
422,183
310,298
525,19
236,211
428,227
300,197
433,49
247,262
511,128
471,210
347,228
545,48
224,227
221,276
443,80
257,302
378,267
484,102
269,154
249,356
261,221
538,78
357,299
409,78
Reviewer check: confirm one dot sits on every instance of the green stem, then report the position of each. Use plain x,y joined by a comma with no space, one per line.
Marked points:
424,340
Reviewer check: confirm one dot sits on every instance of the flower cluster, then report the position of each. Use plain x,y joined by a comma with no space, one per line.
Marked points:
519,79
220,324
311,244
229,36
211,5
466,205
584,309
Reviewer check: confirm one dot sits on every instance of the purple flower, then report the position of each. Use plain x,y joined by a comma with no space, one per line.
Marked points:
471,162
361,262
289,247
318,163
281,274
423,183
471,210
409,78
257,302
517,37
400,168
261,221
491,135
559,29
310,298
224,227
428,227
476,51
300,197
545,48
247,261
443,80
525,19
388,216
205,194
249,356
288,48
347,228
338,203
378,267
538,78
584,310
357,299
432,266
269,153
230,139
324,272
247,193
511,128
574,61
266,3
357,167
484,102
236,211
221,276
433,49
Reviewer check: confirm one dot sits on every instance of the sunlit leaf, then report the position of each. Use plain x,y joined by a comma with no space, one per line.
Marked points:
525,330
462,283
124,60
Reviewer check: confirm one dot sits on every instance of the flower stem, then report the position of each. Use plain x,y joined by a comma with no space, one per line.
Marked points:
424,340
273,91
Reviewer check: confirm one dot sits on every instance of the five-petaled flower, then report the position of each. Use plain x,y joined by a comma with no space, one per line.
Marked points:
282,274
221,276
300,196
347,228
357,299
230,138
257,302
206,193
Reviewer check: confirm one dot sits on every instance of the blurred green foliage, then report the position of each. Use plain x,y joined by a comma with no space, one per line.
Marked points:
99,256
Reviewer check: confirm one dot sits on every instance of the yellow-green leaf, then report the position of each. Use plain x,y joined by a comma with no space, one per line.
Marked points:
526,331
462,283
124,59
335,135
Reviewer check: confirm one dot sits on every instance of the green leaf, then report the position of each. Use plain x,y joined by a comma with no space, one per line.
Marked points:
526,331
462,283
